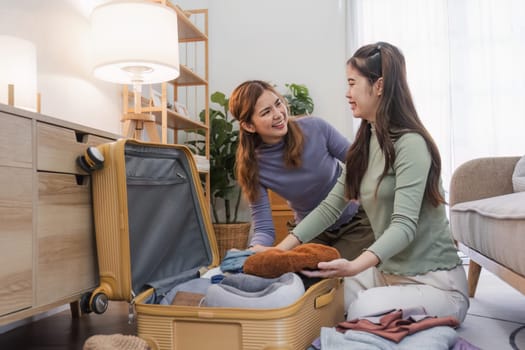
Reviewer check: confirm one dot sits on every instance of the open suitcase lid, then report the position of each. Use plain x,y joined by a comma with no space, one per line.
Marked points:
170,231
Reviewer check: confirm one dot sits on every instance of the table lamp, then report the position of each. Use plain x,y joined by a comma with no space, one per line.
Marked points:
135,42
18,79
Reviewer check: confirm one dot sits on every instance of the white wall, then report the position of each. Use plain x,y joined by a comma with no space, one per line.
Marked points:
300,41
60,31
290,41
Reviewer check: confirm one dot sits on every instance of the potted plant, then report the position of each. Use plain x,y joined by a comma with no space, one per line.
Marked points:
298,99
225,191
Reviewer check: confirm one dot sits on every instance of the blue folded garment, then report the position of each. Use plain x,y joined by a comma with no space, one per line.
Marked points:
234,260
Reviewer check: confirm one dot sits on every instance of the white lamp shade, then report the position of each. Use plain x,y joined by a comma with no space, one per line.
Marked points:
135,42
18,67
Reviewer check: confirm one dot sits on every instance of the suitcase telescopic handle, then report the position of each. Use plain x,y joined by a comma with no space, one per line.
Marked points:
325,299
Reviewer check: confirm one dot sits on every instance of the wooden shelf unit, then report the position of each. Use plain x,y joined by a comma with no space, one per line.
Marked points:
168,120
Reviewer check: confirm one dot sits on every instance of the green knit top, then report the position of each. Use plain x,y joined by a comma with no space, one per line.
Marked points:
412,236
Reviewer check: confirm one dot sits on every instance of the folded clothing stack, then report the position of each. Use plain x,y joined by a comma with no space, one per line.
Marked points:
247,291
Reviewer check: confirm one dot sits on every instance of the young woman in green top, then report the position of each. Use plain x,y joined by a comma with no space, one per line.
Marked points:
393,168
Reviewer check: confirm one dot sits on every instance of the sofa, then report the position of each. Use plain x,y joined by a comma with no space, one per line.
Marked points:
487,218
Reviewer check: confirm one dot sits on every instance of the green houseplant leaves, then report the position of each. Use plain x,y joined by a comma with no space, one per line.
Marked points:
224,138
299,100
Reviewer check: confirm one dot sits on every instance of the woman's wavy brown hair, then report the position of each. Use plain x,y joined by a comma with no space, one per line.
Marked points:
396,115
242,107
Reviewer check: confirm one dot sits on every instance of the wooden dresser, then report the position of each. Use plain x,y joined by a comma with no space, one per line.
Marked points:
281,214
47,245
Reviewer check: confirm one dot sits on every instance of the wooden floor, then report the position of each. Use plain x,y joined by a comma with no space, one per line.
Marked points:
62,332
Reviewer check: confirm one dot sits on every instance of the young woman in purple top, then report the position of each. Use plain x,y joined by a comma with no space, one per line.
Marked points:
297,158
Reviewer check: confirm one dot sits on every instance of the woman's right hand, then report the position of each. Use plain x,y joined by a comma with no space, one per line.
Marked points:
258,248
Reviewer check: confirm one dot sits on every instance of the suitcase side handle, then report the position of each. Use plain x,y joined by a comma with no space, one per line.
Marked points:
325,299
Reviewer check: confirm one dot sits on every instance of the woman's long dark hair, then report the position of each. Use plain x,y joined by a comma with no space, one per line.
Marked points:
396,115
242,107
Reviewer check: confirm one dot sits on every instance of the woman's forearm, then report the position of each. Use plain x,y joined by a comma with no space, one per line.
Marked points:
289,242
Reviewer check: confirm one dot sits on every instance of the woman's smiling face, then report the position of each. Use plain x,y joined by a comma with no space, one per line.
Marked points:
362,96
270,118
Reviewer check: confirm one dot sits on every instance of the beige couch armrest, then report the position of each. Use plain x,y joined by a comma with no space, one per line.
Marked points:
482,178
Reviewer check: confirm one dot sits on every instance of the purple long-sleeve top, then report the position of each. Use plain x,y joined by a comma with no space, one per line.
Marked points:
304,187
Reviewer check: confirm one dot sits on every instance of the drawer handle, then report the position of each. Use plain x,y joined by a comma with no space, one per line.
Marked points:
80,136
81,180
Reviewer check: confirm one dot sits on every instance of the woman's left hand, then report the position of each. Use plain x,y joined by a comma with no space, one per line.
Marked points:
343,267
334,268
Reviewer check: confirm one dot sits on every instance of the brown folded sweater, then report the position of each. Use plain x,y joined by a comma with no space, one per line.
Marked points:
393,327
275,262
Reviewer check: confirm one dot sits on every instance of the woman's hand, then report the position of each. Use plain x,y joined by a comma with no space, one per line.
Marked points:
343,267
289,242
259,248
334,268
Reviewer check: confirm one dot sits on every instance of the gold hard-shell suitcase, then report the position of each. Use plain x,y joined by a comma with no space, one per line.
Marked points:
153,230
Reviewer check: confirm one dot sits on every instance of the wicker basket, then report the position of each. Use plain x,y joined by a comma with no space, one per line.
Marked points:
231,236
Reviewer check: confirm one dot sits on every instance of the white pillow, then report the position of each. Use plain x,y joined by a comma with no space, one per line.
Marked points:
518,177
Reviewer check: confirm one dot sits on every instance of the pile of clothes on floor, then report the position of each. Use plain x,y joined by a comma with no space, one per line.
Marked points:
394,330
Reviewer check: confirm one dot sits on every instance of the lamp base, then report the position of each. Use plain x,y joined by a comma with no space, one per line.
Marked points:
11,99
136,122
133,127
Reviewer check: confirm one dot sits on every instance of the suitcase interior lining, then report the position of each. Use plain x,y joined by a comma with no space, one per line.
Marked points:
168,239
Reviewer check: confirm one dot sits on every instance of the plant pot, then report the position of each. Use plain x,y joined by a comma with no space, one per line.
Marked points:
231,236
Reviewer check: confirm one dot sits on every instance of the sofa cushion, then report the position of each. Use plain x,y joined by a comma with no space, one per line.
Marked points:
518,176
495,227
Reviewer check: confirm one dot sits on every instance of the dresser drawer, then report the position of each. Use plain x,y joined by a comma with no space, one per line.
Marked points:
65,236
15,141
58,148
16,239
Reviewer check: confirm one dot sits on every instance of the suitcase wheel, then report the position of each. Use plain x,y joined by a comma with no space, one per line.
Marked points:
91,160
84,303
99,303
